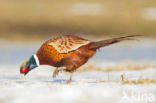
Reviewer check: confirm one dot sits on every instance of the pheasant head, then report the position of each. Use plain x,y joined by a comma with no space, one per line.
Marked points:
28,65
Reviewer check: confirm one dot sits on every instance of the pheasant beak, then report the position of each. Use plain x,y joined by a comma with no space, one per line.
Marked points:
22,76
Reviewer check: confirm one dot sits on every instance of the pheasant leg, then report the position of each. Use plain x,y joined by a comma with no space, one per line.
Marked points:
57,70
70,79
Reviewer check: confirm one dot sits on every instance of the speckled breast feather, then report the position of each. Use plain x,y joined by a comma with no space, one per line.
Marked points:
68,43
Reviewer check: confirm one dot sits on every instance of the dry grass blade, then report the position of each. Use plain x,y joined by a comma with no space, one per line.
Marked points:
117,67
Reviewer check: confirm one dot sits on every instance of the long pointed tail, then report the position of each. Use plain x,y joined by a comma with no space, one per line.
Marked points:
102,43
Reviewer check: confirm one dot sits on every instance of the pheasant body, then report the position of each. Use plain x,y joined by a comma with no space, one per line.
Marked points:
67,53
49,55
76,52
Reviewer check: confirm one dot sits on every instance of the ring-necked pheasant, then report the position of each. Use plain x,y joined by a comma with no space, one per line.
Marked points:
66,53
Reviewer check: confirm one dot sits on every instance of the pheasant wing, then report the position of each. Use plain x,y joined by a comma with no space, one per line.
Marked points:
68,43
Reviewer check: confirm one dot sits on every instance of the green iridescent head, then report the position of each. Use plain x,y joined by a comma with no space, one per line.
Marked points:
28,65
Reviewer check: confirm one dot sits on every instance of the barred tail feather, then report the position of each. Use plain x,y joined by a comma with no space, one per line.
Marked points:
102,43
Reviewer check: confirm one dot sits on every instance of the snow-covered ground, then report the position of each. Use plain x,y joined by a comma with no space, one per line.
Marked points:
87,87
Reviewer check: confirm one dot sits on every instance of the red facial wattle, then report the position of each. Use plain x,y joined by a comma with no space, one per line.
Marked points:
24,70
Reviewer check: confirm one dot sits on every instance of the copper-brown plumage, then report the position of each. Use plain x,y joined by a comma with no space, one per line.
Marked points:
69,52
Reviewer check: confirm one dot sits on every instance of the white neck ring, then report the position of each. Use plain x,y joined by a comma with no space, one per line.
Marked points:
36,59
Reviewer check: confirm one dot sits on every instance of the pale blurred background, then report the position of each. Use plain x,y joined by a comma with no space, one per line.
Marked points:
23,19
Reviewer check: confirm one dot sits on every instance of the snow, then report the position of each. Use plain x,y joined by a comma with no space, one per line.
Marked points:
39,87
